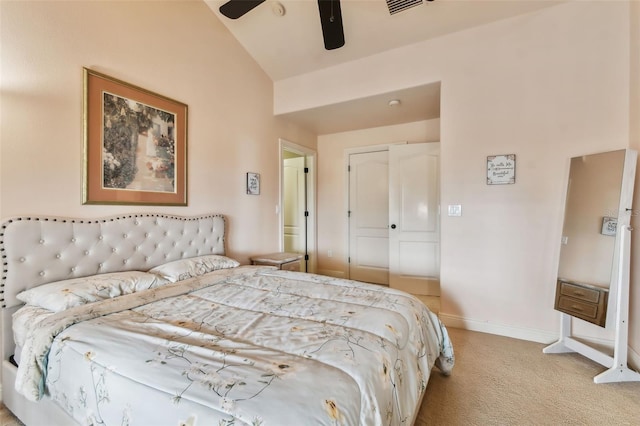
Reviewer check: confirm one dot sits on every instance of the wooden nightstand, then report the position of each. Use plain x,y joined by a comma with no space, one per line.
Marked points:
284,261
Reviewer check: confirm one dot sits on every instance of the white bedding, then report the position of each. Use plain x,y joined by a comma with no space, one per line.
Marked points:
248,345
25,319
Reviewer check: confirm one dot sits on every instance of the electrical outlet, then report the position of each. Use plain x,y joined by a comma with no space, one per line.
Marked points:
329,253
455,210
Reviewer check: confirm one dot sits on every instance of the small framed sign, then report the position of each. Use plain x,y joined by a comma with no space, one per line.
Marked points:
501,169
253,183
609,225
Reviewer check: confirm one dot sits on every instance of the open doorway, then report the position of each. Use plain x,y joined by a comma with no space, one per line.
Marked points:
297,211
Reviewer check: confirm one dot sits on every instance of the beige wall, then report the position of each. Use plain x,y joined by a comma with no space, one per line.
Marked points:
178,49
546,86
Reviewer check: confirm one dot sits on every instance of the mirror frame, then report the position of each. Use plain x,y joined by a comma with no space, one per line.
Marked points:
618,309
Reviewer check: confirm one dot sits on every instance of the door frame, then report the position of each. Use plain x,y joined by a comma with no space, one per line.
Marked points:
310,163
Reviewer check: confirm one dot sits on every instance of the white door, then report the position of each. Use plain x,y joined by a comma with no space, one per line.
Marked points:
369,217
414,219
294,205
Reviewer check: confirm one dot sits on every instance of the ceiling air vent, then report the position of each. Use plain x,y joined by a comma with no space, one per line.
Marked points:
396,6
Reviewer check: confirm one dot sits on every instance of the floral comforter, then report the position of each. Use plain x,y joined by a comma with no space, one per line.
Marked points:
249,345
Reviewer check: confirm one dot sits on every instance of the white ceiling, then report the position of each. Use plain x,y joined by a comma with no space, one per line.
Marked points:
289,45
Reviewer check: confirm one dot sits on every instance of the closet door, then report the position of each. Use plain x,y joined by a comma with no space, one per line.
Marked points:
414,218
369,217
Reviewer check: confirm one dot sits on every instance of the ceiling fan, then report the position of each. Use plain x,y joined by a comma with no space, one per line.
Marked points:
330,18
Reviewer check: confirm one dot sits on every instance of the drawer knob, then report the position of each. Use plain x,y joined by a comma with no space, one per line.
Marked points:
576,308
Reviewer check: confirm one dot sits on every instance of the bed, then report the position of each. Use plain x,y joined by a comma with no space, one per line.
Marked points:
142,319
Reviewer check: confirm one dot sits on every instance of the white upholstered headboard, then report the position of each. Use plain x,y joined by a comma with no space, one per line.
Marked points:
39,250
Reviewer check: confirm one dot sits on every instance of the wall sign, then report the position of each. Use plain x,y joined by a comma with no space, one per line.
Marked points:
501,169
253,183
609,225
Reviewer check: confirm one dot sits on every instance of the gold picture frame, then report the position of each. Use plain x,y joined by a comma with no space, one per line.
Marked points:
135,144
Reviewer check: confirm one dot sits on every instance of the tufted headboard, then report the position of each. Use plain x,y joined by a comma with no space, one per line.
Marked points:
39,250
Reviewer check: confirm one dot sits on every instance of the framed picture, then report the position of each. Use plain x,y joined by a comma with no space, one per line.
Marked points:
253,183
135,144
609,225
501,169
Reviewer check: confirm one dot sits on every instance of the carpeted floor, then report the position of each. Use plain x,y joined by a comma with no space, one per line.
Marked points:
503,381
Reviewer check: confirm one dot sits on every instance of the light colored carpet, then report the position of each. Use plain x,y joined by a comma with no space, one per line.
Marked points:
503,381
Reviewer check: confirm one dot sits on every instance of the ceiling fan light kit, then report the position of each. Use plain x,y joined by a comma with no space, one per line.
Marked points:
278,9
330,17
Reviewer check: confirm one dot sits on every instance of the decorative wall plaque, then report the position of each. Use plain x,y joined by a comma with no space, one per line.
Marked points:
501,169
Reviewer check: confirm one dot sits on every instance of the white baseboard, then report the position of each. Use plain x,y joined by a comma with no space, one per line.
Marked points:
532,335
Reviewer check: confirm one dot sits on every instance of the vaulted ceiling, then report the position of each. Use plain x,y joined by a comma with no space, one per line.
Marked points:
285,39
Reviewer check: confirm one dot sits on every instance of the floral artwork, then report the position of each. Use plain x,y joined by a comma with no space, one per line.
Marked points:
138,146
135,144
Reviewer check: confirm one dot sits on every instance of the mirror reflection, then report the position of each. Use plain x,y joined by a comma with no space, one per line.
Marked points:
591,212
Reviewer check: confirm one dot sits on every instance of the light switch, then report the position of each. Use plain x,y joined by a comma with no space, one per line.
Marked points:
455,210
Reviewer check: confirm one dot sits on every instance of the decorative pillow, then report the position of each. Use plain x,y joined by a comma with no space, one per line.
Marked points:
61,295
182,269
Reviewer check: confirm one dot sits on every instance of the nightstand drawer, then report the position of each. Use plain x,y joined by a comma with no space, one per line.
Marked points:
291,266
584,301
580,292
577,307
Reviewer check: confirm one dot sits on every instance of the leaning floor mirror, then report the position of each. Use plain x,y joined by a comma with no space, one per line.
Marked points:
593,272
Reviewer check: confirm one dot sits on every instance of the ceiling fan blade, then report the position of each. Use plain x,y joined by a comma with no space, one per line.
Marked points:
331,22
233,9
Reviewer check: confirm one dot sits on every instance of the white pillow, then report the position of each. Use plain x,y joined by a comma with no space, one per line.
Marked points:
182,269
61,295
